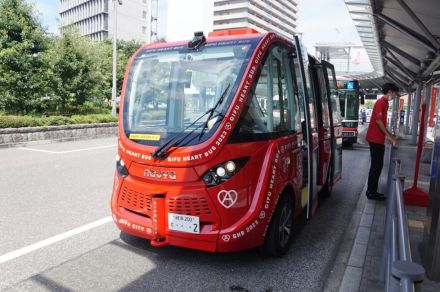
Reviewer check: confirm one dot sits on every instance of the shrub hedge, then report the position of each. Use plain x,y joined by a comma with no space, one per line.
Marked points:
30,121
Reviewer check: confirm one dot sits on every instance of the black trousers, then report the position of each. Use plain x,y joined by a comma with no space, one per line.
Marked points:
377,152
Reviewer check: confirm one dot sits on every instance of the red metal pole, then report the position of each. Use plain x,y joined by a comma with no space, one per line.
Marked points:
414,195
419,146
432,107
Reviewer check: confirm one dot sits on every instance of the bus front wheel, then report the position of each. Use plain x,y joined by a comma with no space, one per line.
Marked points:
280,232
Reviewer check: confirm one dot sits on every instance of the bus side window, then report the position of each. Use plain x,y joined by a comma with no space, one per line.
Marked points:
284,109
301,98
273,107
292,91
324,98
336,112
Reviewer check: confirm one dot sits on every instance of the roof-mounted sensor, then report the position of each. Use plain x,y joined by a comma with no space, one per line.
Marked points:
198,41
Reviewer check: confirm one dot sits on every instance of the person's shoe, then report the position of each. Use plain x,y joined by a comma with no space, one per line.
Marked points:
375,196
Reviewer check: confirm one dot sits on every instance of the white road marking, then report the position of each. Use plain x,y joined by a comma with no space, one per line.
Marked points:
67,151
51,240
38,150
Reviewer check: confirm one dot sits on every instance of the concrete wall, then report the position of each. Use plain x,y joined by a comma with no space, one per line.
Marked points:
17,136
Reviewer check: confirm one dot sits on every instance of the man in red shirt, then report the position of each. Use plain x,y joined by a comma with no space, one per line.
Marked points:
376,134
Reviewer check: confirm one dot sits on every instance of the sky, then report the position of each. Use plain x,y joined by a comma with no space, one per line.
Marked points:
318,21
48,13
328,21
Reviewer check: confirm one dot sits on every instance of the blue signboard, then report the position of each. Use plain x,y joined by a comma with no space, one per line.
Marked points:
351,85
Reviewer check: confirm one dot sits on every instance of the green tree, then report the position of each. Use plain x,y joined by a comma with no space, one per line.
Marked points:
22,70
70,69
77,70
125,49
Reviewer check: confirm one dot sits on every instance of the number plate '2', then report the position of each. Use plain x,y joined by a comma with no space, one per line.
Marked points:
184,223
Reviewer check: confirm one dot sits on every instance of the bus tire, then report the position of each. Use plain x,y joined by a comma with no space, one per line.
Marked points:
280,232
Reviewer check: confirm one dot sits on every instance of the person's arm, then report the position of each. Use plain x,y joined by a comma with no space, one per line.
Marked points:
386,132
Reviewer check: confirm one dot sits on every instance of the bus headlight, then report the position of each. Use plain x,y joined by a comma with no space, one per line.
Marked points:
120,166
224,171
221,171
230,166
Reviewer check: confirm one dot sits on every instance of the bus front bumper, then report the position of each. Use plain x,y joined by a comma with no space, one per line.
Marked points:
137,213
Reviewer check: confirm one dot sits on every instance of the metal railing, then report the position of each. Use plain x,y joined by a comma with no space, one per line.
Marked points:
397,271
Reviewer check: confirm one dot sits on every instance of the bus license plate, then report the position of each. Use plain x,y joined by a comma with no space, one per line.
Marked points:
183,223
348,134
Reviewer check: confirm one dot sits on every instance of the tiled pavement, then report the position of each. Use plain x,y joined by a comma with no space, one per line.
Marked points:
361,252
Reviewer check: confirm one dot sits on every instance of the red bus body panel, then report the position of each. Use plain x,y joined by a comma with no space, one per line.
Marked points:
141,202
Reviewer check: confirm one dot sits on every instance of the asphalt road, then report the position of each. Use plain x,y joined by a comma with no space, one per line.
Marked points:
57,234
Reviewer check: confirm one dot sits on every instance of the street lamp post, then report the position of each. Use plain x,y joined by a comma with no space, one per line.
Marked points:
115,29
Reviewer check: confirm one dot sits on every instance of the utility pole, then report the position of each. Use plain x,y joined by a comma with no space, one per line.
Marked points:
153,19
115,32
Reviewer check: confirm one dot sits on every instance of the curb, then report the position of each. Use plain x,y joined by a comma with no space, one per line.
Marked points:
347,271
20,137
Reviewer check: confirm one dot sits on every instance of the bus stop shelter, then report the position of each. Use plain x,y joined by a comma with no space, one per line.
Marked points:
402,39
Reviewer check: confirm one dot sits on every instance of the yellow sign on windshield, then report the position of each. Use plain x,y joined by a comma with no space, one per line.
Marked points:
147,137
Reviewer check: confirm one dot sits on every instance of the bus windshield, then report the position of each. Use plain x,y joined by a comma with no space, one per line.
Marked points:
349,103
170,90
352,106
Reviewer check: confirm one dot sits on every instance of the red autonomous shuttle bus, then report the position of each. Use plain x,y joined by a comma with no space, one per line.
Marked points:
224,141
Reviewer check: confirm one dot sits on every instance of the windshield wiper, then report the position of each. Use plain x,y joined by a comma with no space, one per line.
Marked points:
212,110
162,151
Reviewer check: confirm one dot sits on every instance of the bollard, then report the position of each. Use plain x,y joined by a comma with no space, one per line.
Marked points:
408,272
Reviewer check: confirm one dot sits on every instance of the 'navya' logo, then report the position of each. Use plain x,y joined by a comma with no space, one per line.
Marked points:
165,174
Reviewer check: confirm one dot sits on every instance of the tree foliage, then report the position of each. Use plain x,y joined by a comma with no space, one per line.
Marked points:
76,70
41,72
22,43
125,49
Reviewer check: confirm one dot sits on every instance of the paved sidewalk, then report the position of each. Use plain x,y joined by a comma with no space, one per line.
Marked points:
360,255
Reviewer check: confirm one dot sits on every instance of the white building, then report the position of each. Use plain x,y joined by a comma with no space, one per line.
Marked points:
95,18
275,15
179,19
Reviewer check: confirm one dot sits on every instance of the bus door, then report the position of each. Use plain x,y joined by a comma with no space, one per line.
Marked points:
335,122
309,128
321,94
